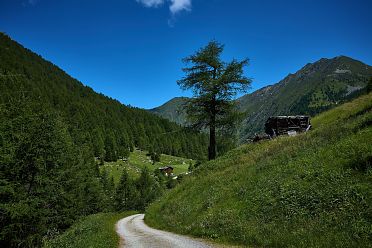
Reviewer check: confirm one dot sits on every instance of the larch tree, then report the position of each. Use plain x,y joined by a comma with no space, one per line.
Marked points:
214,84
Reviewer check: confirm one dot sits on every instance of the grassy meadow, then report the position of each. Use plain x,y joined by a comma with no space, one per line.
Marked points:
312,190
93,231
138,160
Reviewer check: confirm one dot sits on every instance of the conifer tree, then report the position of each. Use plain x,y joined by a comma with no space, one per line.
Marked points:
214,84
108,188
98,143
148,189
126,194
48,182
110,148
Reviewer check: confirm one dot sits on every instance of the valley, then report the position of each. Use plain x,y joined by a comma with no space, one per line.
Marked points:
266,140
138,160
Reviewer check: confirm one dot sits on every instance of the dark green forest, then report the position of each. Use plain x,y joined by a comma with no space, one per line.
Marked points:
109,127
53,132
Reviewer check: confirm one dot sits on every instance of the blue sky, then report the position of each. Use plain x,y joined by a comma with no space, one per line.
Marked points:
131,50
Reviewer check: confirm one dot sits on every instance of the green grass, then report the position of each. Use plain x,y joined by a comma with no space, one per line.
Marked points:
115,169
313,190
94,231
180,165
138,160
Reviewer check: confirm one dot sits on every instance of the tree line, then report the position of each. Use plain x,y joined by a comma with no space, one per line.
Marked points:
109,127
46,180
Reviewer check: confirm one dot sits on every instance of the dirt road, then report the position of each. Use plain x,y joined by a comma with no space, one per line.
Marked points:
135,233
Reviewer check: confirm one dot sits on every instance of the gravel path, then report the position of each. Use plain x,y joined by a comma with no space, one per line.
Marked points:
135,233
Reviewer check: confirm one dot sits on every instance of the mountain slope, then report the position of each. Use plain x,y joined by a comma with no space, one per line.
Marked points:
108,126
313,190
172,110
314,88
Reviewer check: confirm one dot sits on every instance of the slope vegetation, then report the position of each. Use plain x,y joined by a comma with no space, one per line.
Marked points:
94,231
311,190
105,124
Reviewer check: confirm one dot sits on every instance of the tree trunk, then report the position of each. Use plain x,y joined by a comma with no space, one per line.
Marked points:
212,153
212,149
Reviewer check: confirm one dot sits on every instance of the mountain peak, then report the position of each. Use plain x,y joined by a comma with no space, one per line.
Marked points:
329,67
314,88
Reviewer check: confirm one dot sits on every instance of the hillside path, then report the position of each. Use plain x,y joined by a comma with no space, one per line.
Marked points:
135,233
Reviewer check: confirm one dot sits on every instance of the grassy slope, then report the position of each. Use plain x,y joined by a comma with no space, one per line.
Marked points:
311,190
138,160
94,231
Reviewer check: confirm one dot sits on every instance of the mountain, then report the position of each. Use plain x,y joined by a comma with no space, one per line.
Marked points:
172,110
288,192
107,126
314,88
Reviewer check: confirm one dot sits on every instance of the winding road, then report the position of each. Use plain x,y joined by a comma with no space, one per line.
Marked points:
135,233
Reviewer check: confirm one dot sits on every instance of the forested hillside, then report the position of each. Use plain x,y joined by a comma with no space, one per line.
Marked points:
46,180
109,127
51,129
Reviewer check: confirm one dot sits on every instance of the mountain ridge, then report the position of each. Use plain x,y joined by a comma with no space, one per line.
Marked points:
315,87
172,110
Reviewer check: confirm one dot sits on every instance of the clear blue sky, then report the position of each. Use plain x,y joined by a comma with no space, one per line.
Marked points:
132,51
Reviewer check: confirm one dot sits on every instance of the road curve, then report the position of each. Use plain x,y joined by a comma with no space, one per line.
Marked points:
135,233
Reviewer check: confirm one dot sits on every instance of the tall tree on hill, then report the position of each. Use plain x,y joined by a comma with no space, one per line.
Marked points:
214,84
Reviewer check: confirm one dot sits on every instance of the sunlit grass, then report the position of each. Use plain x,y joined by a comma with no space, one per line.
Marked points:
94,231
313,190
138,160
